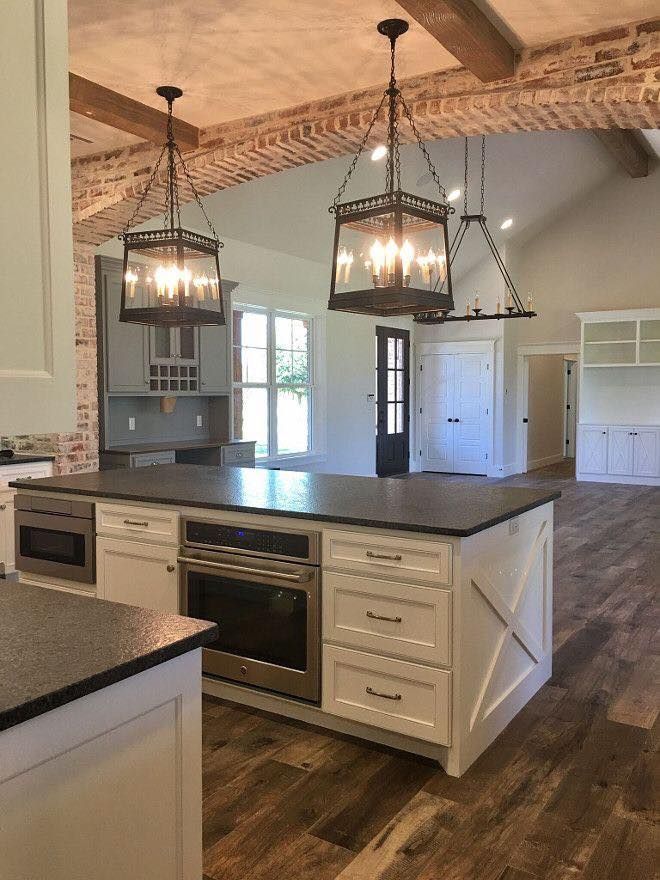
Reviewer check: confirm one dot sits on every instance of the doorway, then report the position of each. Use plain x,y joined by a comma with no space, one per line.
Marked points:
570,398
392,401
455,412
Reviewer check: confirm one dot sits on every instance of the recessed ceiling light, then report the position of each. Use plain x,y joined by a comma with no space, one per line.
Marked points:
379,152
453,195
507,223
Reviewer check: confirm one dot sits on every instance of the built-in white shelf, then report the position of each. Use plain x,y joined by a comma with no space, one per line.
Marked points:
628,338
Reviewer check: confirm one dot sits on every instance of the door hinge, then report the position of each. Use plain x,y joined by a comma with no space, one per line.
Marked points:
567,441
568,406
486,410
420,452
488,366
569,372
420,410
486,456
421,367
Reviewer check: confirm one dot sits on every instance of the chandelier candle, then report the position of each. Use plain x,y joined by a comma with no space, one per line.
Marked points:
390,249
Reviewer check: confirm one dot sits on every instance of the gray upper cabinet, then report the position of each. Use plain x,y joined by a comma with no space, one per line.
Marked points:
124,347
214,360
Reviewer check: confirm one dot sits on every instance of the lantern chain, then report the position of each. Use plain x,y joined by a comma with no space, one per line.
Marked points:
196,194
145,191
422,147
360,150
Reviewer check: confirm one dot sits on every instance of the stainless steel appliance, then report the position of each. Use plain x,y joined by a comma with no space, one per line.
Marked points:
55,537
262,588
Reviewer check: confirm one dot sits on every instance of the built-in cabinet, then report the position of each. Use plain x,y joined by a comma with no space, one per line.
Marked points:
631,451
619,404
123,564
134,359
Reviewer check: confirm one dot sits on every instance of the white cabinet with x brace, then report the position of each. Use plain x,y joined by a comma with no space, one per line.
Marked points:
455,411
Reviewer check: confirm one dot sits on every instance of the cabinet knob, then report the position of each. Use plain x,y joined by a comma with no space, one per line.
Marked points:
171,568
3,507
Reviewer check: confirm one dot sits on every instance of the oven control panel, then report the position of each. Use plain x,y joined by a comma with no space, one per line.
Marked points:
294,545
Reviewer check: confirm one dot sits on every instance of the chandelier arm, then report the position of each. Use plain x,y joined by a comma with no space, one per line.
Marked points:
146,190
196,194
356,157
501,265
422,147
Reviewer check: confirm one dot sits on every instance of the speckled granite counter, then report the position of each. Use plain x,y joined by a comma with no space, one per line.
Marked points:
56,647
409,505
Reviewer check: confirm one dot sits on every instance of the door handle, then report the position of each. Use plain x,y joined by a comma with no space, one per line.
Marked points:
374,693
375,616
450,420
457,420
171,568
299,578
525,421
394,557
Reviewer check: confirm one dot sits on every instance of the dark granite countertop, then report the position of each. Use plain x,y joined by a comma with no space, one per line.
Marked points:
458,509
56,647
25,458
136,448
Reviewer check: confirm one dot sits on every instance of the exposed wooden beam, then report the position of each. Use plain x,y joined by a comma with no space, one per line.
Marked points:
626,149
464,30
96,102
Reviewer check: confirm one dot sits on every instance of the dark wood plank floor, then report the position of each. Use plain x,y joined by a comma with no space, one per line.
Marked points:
569,790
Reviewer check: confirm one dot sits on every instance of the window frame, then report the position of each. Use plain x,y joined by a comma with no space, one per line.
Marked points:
272,386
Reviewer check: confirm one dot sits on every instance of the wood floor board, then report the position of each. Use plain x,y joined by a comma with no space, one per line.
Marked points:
569,791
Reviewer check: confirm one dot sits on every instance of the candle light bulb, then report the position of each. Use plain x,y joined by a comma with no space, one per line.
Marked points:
131,277
529,302
467,307
186,276
347,267
509,300
498,306
377,254
391,253
477,301
407,256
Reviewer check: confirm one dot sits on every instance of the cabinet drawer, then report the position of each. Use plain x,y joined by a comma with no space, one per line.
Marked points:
30,471
146,459
390,694
426,561
238,454
375,615
160,526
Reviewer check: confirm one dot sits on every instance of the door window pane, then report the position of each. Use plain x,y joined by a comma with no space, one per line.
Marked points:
391,384
399,418
251,417
399,385
399,354
292,420
390,352
391,418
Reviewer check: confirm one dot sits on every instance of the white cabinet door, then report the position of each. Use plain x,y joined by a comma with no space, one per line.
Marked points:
471,419
646,449
37,350
137,574
437,403
6,532
620,451
593,449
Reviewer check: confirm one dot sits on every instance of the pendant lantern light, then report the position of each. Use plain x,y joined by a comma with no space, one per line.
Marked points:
391,250
171,276
513,306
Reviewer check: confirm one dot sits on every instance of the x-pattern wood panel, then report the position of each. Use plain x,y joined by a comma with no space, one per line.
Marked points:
509,617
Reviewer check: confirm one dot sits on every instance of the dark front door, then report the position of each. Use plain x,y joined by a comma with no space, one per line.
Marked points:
393,401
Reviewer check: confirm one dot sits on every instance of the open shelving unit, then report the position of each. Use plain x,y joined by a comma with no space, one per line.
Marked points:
612,342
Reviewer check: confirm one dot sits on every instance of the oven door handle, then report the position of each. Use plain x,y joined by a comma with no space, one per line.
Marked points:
299,578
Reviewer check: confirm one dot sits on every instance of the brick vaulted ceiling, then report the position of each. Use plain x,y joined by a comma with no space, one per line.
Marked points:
607,78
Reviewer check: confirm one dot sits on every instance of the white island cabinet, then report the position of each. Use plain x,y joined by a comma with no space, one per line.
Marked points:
434,631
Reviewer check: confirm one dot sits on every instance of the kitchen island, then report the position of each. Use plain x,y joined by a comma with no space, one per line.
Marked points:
100,740
436,624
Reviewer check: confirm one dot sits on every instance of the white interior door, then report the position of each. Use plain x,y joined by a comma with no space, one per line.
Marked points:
437,402
471,413
455,417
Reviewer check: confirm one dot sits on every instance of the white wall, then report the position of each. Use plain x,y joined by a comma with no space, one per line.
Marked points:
545,410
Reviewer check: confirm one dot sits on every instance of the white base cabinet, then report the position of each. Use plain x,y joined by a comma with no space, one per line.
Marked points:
137,574
30,471
619,454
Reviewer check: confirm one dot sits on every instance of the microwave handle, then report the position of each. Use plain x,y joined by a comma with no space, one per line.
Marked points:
299,578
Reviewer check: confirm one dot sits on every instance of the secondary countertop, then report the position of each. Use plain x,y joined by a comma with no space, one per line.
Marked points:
137,448
25,458
458,509
56,647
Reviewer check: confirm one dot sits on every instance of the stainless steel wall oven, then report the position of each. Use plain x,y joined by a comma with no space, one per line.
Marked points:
262,587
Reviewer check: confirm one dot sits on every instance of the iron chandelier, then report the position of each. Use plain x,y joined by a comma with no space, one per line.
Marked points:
171,276
391,251
513,306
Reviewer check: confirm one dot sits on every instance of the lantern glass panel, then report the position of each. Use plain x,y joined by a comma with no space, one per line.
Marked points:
366,254
424,255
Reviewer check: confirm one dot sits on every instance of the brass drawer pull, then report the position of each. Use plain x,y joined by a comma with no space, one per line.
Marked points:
375,616
374,693
136,522
395,557
3,507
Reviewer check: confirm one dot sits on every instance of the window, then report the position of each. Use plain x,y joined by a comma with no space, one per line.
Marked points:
272,380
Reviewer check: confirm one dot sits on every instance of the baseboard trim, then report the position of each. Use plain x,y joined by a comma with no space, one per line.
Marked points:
618,479
544,462
507,470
